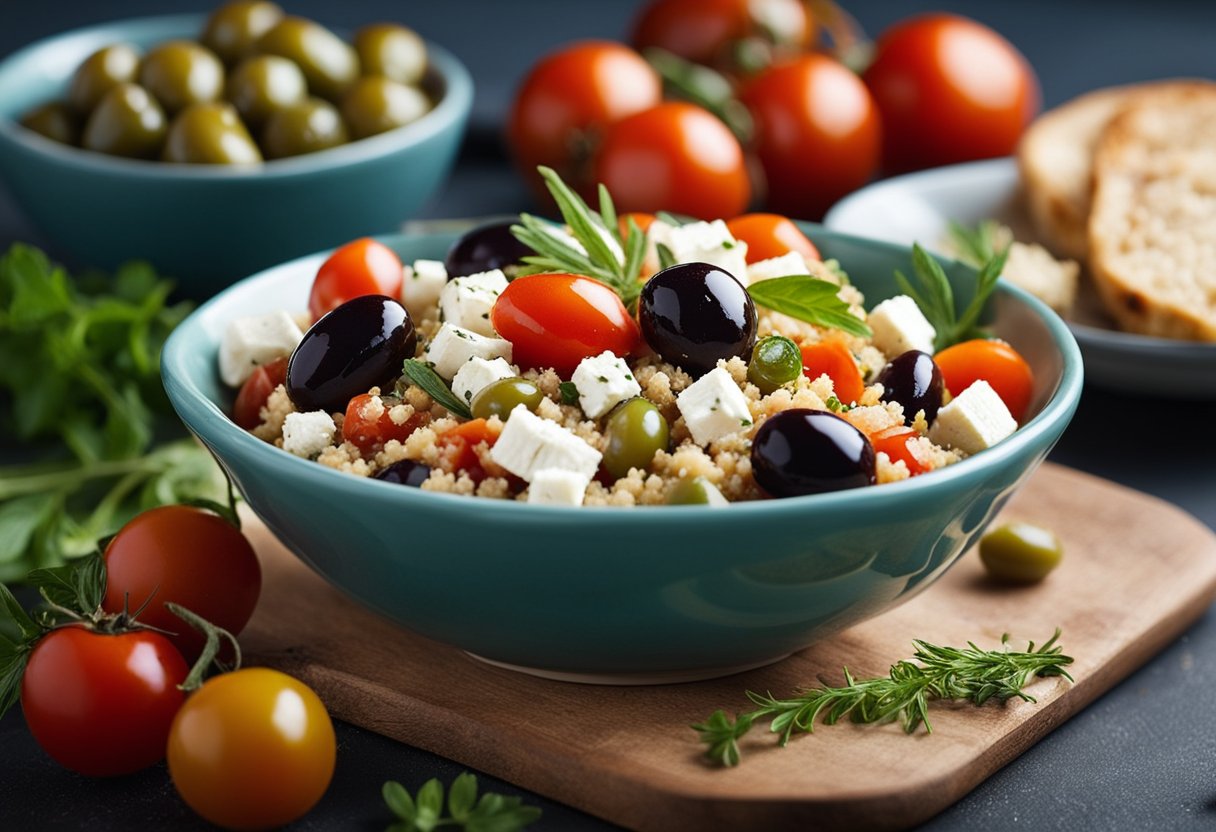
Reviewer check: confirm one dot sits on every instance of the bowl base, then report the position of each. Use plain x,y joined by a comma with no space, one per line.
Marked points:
669,677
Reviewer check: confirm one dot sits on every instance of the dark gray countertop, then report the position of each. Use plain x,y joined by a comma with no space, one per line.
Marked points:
1139,758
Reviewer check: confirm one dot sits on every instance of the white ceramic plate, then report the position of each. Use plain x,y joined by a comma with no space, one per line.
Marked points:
917,208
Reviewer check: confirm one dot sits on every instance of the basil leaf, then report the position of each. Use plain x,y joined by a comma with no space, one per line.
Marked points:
569,392
808,299
424,376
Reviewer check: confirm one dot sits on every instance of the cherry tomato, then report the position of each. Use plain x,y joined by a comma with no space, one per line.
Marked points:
770,235
102,704
568,99
994,361
818,133
833,359
674,157
190,557
252,749
362,267
368,425
557,320
251,398
894,443
459,444
949,90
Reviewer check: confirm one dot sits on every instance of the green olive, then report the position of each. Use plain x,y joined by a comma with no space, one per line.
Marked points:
499,398
210,133
776,360
306,127
391,51
56,120
101,72
377,105
634,433
329,63
180,73
1020,553
126,122
695,491
263,84
233,29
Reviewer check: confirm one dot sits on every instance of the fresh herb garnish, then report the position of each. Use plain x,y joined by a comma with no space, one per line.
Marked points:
808,299
947,673
936,299
976,246
423,813
666,258
568,392
425,377
837,406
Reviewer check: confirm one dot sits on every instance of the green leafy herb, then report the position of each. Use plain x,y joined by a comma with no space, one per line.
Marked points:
976,246
808,299
424,376
936,299
837,406
568,392
950,673
425,811
666,258
702,86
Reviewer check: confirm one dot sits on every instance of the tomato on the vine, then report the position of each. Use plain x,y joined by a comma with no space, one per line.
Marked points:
949,90
770,235
102,704
557,320
361,267
995,362
251,398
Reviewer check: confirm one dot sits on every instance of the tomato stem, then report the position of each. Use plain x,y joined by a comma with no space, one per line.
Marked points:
211,649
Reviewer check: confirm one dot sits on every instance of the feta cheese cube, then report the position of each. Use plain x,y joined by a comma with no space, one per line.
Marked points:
975,419
422,284
602,381
899,326
529,444
453,346
250,342
467,301
557,487
307,434
705,242
713,406
789,263
476,373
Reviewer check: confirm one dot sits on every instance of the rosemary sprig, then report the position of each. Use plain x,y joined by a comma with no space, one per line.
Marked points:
424,376
936,299
976,245
969,674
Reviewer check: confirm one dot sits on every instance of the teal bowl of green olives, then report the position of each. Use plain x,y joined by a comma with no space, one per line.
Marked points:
213,150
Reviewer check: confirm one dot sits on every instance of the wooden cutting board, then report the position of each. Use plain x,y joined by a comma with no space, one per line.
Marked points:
1136,572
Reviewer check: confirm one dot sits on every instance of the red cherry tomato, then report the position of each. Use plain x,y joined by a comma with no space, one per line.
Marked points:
362,267
833,359
817,133
102,704
568,99
251,398
557,320
718,32
994,361
894,443
674,157
190,557
770,235
368,425
459,444
949,90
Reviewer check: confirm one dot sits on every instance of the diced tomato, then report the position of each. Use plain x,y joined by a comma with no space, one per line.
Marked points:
246,410
460,443
994,361
834,359
368,426
894,443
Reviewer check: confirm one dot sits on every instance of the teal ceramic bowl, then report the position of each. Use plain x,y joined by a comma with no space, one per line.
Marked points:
208,225
613,594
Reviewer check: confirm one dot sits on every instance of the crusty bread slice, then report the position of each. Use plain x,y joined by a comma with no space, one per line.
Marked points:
1152,226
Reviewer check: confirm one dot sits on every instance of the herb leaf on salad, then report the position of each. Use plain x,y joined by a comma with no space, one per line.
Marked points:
425,377
808,299
935,298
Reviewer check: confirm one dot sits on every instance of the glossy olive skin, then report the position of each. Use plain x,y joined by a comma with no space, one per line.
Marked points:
232,31
101,72
694,491
377,105
329,63
265,83
693,314
914,380
127,122
56,121
1020,553
486,247
306,127
180,73
359,345
799,451
406,472
634,433
210,133
499,398
391,51
776,360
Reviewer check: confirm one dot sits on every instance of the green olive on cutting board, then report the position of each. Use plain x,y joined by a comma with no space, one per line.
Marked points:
1020,553
210,133
101,72
180,73
263,84
126,122
329,63
306,127
232,31
391,51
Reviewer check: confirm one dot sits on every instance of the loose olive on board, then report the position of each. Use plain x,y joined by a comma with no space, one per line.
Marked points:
210,133
800,451
263,84
634,433
391,51
329,63
376,105
126,122
180,73
1020,553
56,121
232,31
101,72
914,380
486,247
305,127
499,398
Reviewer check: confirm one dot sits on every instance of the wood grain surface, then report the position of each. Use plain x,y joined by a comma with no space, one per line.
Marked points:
1136,572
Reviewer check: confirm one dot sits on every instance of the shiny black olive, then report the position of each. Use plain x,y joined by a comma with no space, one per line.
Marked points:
487,247
913,380
359,345
405,472
692,314
802,451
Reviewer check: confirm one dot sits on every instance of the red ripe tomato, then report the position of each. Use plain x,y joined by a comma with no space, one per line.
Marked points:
251,398
717,32
568,99
102,704
770,235
994,361
818,134
674,157
362,267
833,359
949,90
894,443
368,425
459,444
557,320
188,556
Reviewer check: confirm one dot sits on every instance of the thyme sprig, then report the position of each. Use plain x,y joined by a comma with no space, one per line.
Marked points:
950,673
936,299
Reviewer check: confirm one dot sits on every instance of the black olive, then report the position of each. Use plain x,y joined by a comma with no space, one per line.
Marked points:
359,345
914,380
692,314
802,451
405,472
487,247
